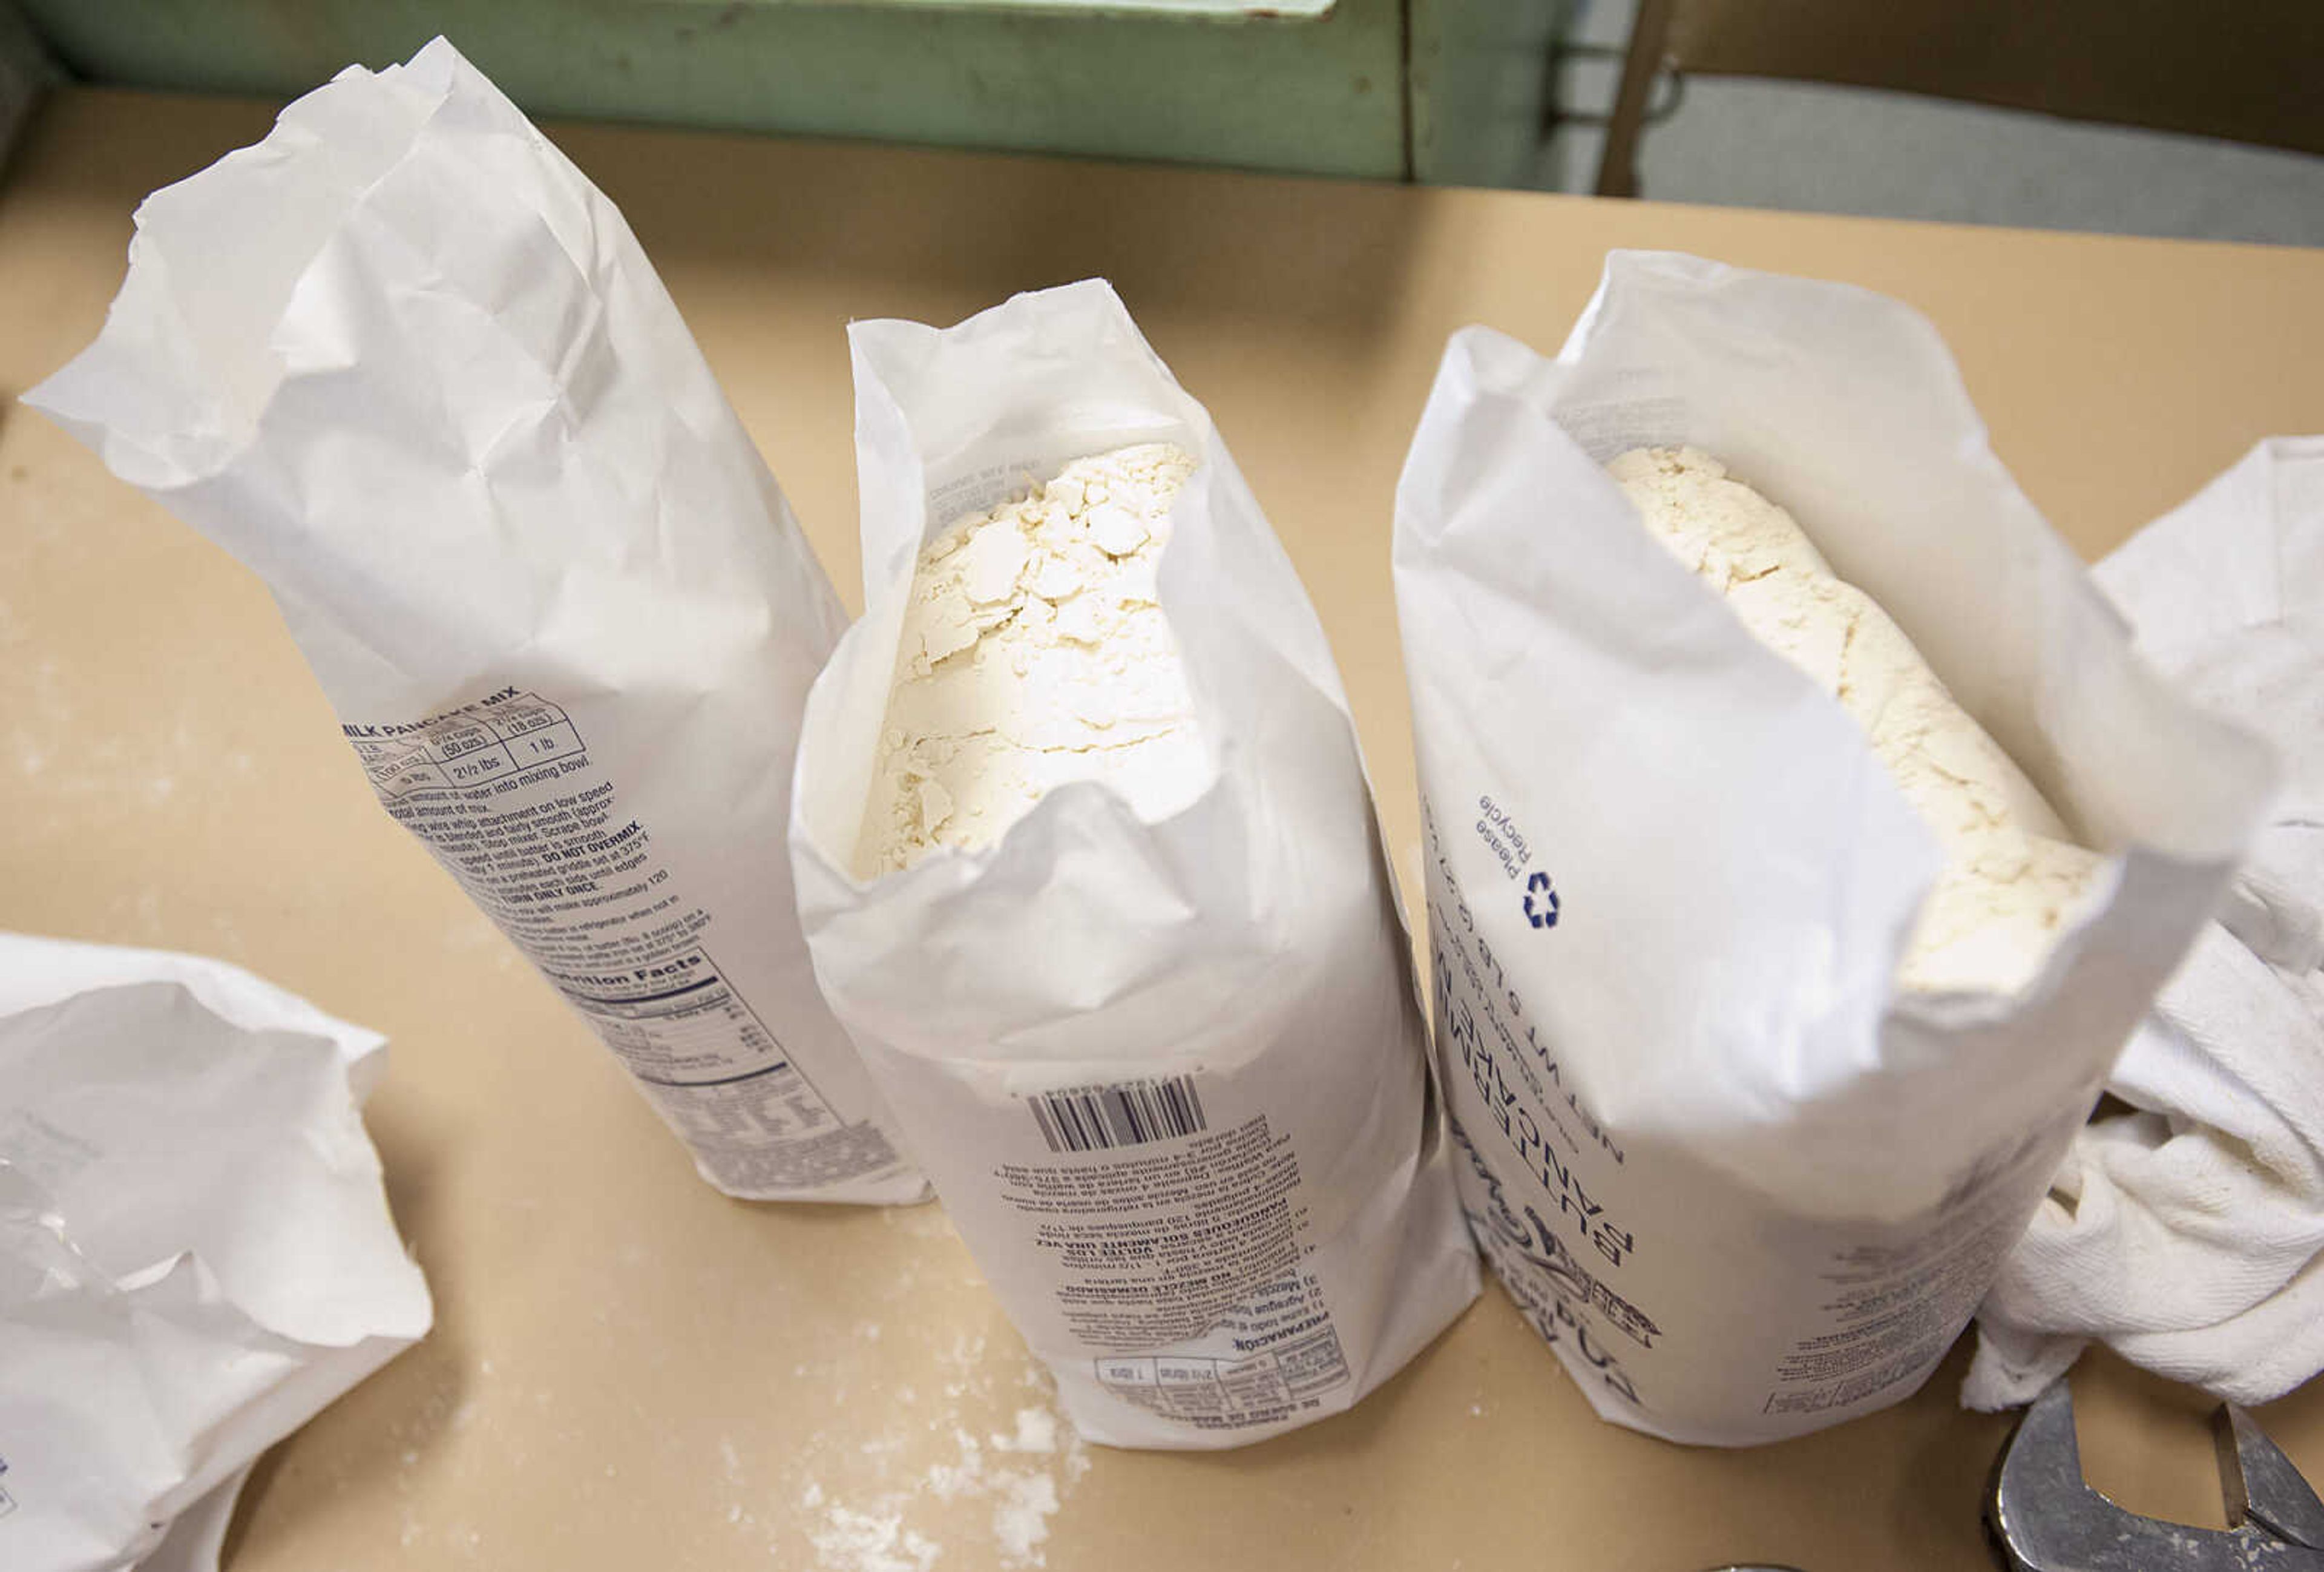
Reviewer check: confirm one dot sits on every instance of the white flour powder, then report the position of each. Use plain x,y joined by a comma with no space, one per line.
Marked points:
2011,880
1034,653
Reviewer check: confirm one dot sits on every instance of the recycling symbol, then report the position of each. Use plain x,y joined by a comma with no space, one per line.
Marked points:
1540,902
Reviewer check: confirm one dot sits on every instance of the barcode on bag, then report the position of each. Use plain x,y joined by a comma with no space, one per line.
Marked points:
1125,1113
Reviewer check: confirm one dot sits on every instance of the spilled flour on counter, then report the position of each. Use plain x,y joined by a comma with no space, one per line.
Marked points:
1019,1476
866,1541
939,1448
1035,653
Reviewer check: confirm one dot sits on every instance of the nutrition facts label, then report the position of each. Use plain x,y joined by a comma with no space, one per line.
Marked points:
1229,1391
676,1023
505,794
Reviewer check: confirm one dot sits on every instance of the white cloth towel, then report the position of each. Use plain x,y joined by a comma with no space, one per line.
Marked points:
2189,1234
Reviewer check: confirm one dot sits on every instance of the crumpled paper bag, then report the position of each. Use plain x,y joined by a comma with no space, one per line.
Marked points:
196,1254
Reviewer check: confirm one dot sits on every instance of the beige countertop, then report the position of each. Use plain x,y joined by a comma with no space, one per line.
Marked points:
629,1370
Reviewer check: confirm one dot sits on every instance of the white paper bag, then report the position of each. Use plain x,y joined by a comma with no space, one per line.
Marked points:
1289,1237
407,362
196,1254
1744,1187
